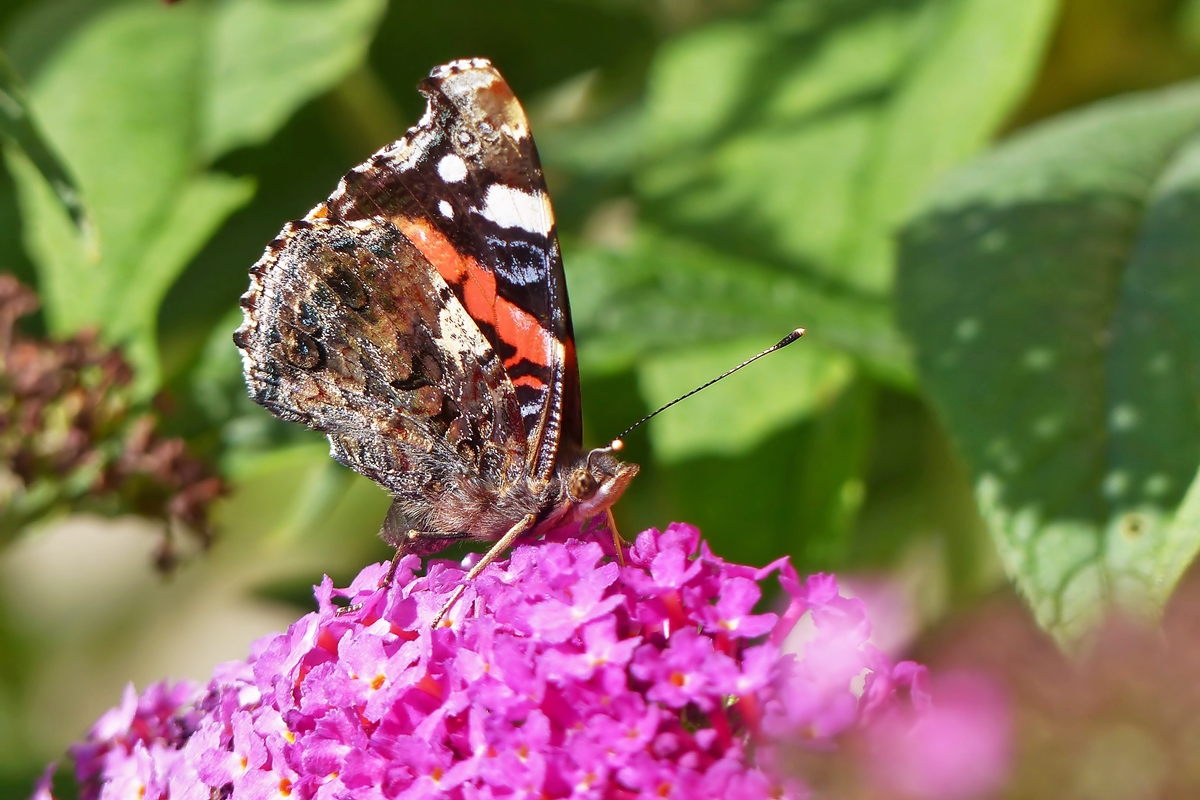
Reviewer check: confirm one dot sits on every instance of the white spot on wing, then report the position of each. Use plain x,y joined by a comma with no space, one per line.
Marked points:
460,65
513,208
249,364
452,168
446,209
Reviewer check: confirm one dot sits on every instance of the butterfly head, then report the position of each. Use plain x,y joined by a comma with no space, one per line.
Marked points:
596,481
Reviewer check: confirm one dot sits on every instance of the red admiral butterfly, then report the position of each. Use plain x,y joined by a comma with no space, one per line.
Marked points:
419,317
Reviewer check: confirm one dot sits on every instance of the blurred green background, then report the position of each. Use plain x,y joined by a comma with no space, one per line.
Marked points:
984,211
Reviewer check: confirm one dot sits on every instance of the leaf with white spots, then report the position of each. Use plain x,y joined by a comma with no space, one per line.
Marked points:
1052,289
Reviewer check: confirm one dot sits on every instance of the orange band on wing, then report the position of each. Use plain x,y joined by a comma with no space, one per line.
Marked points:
476,286
532,381
569,354
452,265
521,330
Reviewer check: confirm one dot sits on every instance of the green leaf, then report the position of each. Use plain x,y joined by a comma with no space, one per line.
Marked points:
269,57
70,279
698,84
832,479
217,385
781,149
124,125
952,99
807,132
200,208
1052,291
735,415
742,503
138,100
1180,544
18,127
664,293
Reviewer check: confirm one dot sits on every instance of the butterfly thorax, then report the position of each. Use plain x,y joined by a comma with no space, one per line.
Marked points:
584,485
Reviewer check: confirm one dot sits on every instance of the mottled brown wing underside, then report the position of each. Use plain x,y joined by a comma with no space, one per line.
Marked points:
465,186
343,334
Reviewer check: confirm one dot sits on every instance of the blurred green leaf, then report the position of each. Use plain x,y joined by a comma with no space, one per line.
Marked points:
736,414
831,485
744,503
68,268
807,132
268,57
780,149
1052,289
201,206
124,126
1179,546
138,132
217,383
17,125
698,83
919,500
664,293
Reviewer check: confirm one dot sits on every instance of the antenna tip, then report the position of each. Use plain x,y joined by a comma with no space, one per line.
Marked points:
616,445
791,337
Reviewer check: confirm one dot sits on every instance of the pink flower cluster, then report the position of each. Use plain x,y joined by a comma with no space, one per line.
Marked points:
558,674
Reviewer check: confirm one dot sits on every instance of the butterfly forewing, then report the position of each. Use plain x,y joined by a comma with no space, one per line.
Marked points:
466,187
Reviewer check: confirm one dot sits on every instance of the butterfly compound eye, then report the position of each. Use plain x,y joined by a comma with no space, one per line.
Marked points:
581,484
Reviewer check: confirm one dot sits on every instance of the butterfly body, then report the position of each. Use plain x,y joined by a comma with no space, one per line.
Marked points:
419,318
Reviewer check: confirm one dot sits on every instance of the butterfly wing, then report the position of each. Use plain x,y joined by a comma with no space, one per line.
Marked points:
350,330
466,187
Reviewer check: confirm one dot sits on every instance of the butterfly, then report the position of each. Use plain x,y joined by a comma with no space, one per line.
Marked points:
419,318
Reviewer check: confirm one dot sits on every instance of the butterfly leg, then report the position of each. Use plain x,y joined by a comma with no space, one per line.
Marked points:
391,573
397,531
498,548
399,542
618,542
412,537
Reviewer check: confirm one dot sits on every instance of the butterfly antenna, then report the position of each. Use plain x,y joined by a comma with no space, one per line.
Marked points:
618,442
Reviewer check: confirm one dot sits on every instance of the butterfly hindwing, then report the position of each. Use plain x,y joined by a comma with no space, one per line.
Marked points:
351,331
466,187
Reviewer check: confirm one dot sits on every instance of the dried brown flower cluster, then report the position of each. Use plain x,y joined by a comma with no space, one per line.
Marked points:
72,438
